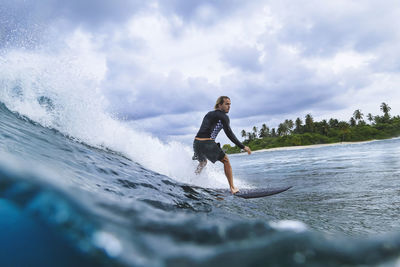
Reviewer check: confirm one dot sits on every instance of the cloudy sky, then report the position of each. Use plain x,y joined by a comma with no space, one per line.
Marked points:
163,63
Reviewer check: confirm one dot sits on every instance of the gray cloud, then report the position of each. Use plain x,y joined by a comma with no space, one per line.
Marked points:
244,58
94,13
201,12
170,124
146,95
288,98
23,23
323,29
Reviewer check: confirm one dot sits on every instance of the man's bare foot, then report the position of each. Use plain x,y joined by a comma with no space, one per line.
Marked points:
234,190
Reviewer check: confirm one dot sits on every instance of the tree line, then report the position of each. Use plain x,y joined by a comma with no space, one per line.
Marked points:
296,133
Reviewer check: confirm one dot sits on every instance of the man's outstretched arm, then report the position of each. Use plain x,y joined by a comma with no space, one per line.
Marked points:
229,133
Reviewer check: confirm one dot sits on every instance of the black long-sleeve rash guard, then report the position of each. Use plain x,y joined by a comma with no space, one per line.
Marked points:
212,124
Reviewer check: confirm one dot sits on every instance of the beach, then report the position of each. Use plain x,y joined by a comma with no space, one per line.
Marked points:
309,146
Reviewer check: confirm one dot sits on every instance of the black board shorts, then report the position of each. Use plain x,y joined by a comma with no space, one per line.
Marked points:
207,149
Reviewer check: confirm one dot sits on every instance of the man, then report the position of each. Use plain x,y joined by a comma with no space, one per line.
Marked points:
204,145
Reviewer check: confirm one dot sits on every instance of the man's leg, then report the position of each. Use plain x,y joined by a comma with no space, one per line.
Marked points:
228,174
200,167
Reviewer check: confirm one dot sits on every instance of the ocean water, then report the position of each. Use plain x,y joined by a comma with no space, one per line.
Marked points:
78,187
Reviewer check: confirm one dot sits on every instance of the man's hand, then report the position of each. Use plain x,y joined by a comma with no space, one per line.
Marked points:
247,149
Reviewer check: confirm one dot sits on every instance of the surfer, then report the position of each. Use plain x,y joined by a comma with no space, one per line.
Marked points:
204,144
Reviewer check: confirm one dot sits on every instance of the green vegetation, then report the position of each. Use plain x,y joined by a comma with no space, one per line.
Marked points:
296,133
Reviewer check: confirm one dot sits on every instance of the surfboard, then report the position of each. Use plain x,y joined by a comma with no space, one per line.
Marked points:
260,192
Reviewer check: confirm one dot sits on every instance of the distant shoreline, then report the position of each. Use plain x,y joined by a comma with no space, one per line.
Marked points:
305,146
312,134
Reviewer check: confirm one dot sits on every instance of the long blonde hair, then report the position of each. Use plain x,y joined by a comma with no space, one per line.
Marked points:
220,101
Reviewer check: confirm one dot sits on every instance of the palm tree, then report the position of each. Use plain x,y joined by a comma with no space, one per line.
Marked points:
244,134
344,127
324,127
385,109
264,131
282,129
255,131
273,132
298,124
333,123
352,122
370,117
289,124
358,115
309,127
377,119
249,136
